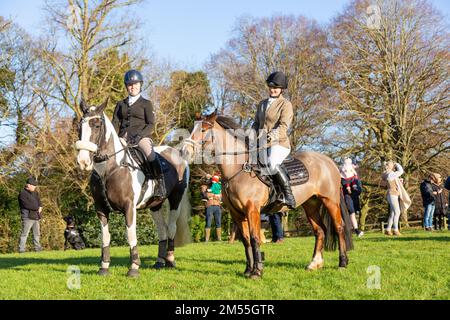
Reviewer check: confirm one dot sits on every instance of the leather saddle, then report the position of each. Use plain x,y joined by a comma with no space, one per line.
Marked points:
141,160
296,171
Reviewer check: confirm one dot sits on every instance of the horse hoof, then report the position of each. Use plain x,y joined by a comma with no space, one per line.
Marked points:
247,273
133,273
313,267
103,272
171,264
159,265
343,262
256,275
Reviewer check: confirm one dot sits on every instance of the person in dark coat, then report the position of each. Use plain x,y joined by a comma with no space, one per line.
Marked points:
134,120
447,186
441,204
428,201
351,196
30,212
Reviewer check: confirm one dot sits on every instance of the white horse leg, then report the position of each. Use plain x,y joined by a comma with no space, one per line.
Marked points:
316,262
132,241
172,229
106,240
161,227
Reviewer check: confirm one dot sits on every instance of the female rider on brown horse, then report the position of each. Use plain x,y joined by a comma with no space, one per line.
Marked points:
274,117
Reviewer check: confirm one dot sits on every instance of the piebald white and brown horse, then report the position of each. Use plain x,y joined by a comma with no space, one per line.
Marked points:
117,183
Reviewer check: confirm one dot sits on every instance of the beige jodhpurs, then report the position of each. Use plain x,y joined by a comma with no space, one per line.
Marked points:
145,144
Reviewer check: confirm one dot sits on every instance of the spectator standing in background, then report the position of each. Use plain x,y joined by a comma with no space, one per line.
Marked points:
441,204
351,187
30,212
397,196
428,201
213,208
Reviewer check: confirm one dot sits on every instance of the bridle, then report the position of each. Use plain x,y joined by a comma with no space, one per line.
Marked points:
90,146
197,144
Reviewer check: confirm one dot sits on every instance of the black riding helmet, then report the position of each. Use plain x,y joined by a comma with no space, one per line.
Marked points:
132,77
277,80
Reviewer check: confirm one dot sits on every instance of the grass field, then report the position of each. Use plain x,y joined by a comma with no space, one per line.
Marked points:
414,266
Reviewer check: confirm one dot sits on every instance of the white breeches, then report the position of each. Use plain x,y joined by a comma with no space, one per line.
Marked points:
276,155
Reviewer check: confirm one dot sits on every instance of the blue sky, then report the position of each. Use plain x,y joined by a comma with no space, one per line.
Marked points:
188,32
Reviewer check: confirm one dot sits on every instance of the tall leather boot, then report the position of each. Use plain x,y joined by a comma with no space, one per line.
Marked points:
219,234
282,179
207,234
156,171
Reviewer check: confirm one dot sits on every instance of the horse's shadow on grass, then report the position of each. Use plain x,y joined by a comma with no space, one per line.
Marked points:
119,261
407,238
301,264
239,265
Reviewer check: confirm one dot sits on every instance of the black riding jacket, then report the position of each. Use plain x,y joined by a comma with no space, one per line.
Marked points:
137,121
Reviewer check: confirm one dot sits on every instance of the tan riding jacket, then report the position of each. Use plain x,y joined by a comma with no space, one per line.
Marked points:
276,120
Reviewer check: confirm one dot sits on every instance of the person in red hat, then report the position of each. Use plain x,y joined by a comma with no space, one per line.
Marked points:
213,198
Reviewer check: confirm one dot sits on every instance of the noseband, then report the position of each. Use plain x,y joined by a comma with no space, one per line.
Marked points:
197,144
90,146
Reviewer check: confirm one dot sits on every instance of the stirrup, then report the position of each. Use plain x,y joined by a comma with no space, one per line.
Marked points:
281,197
160,188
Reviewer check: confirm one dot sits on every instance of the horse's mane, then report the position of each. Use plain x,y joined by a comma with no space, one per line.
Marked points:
227,123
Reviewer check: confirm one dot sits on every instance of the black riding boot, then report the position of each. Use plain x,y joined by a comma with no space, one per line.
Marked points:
158,176
282,180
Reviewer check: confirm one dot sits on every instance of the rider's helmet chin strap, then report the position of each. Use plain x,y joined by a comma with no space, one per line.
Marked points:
276,97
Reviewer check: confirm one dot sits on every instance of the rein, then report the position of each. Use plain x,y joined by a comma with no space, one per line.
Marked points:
98,158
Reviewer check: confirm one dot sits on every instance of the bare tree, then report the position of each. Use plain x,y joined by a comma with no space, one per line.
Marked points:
390,74
94,32
21,114
280,43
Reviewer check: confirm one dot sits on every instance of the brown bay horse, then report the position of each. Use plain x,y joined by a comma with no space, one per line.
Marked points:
244,194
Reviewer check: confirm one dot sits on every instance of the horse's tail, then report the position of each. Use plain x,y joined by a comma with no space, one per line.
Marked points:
331,236
183,234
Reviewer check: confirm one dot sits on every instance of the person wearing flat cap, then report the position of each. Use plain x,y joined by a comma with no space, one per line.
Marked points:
30,211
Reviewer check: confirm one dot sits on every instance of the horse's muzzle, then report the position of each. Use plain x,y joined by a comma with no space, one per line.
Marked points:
84,158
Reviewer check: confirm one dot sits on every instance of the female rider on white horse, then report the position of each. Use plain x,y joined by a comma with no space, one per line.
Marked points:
134,120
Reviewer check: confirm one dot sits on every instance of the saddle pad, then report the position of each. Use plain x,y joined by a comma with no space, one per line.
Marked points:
298,174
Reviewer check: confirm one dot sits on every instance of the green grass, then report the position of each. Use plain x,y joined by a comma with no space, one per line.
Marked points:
414,266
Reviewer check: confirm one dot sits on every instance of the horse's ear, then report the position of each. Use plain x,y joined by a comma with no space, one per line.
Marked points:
212,117
103,106
83,105
198,116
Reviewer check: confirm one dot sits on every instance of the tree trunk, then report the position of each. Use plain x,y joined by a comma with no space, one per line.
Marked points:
364,212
